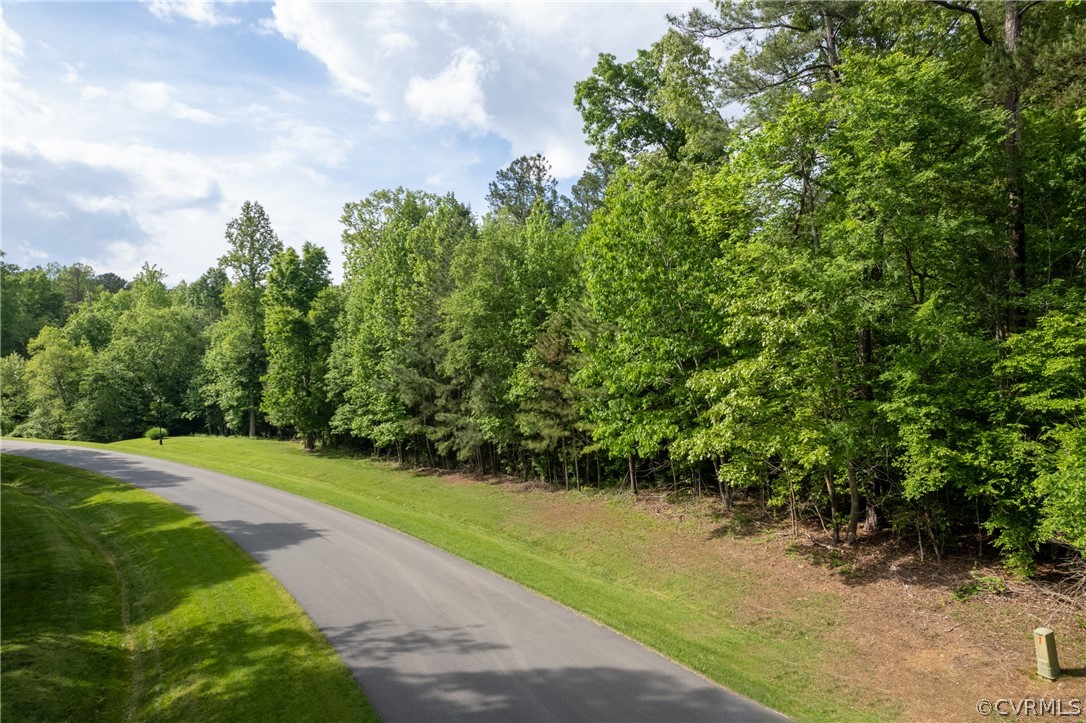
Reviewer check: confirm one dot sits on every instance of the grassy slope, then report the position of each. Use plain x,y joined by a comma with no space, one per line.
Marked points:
119,605
599,555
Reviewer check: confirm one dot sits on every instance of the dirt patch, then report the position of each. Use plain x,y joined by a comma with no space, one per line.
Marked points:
939,635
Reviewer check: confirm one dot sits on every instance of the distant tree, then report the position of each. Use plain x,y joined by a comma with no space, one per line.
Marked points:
546,399
149,287
75,282
206,293
509,280
587,193
237,359
14,401
517,188
31,300
92,321
10,309
648,279
54,373
110,281
387,363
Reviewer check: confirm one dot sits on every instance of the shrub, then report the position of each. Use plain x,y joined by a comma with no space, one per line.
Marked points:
156,433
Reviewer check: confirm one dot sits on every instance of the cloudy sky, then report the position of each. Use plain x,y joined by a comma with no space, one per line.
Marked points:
134,131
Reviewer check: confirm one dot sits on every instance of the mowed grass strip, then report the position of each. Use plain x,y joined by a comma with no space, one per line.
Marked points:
118,605
598,554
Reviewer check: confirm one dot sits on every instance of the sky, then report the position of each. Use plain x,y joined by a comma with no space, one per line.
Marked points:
133,132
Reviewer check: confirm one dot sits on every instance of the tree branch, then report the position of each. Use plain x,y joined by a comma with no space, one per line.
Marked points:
713,29
1027,7
969,11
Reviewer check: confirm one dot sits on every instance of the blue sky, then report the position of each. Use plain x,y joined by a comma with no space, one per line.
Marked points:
134,131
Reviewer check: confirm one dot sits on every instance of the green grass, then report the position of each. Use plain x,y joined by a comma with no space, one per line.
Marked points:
118,605
598,554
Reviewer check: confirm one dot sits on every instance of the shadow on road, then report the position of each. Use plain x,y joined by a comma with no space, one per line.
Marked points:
110,464
472,689
375,640
260,538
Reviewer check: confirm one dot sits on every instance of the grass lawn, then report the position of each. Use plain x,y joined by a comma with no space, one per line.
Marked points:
599,554
118,605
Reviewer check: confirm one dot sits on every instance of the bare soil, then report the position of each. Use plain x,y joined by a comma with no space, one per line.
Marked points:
940,635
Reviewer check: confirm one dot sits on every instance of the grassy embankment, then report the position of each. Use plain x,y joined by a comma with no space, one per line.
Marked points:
118,605
600,555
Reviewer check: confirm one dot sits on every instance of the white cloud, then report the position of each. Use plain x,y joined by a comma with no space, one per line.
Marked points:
122,258
11,41
507,69
202,13
94,92
98,204
158,97
28,251
160,178
395,42
454,95
299,143
18,102
316,32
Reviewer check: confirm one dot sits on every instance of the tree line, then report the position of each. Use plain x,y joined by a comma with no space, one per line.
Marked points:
842,272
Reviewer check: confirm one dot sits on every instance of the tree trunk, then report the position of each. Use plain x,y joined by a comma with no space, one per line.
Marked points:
633,473
931,536
577,467
829,40
310,442
724,490
1012,147
565,464
828,477
854,509
792,506
871,519
252,421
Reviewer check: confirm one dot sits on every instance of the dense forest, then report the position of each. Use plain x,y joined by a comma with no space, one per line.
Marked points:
841,273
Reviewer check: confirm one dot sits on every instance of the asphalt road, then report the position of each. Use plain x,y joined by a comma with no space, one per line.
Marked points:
429,636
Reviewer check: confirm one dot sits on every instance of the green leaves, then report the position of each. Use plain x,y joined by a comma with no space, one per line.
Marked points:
663,100
237,357
253,243
510,282
1047,368
648,278
300,314
387,362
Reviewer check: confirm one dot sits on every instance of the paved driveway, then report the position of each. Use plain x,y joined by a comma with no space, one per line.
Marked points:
429,636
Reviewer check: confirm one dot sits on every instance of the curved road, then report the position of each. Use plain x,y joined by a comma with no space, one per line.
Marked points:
429,636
